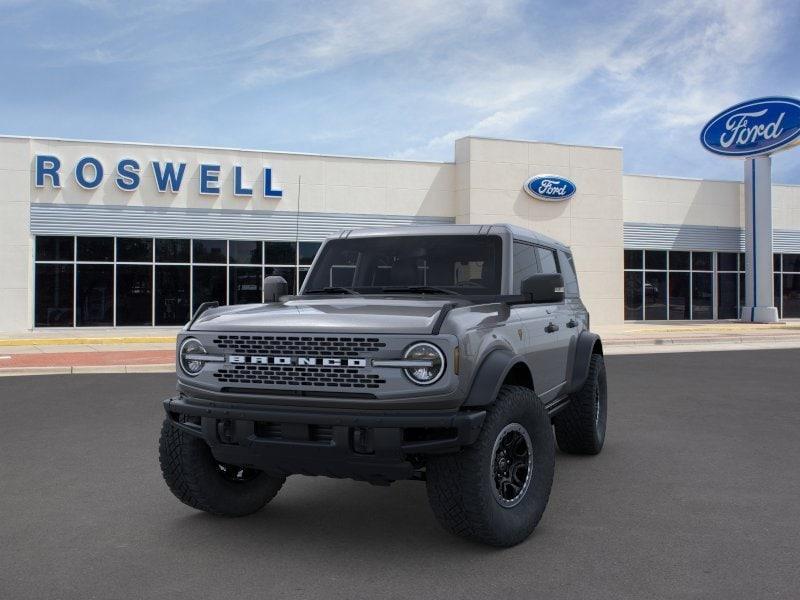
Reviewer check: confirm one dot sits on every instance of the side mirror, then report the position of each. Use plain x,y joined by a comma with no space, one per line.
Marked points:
275,286
544,288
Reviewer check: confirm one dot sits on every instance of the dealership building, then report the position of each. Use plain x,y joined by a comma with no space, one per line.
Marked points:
107,234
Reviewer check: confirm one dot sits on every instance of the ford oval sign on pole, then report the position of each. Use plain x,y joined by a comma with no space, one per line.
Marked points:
550,187
754,130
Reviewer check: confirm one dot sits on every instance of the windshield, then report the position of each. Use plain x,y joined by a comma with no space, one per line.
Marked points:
430,264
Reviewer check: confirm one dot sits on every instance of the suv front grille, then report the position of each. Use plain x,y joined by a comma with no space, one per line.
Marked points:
275,375
298,345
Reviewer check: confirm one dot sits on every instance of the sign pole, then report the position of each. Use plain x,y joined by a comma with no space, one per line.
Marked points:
759,291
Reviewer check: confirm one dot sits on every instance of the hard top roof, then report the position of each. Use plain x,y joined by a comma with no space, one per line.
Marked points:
519,233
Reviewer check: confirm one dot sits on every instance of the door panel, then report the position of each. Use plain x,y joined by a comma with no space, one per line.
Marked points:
542,346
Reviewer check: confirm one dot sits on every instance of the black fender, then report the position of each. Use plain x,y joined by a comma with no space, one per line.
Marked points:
588,343
490,376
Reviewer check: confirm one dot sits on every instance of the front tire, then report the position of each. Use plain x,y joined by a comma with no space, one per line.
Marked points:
197,479
581,426
496,490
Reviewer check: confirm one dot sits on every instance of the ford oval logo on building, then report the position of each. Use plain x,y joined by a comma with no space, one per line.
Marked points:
760,126
550,187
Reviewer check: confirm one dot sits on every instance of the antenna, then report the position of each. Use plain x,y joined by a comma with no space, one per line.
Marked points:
297,234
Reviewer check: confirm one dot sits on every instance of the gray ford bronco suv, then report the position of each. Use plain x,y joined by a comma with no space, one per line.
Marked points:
457,355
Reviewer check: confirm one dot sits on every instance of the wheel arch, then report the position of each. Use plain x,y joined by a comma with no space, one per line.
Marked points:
588,343
499,367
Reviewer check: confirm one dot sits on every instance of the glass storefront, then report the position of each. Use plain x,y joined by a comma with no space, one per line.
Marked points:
682,285
107,281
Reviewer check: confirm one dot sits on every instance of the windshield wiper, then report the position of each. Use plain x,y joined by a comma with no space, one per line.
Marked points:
334,290
421,289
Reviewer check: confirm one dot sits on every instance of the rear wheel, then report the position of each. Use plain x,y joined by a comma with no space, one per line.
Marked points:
581,426
496,490
196,478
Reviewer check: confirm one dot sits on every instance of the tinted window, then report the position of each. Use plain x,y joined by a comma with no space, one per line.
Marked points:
245,252
679,261
245,285
279,253
567,264
308,250
633,296
134,294
726,261
97,249
547,260
655,259
172,294
525,264
172,251
95,295
702,296
791,296
134,250
54,247
655,296
791,263
633,259
210,251
680,298
468,264
727,295
701,261
53,296
208,284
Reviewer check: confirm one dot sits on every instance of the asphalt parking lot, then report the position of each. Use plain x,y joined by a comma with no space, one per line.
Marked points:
695,496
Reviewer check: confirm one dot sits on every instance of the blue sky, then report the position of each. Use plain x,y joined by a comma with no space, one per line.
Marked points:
399,79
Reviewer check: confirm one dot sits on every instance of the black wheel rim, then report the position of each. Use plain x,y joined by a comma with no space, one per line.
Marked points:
236,474
512,465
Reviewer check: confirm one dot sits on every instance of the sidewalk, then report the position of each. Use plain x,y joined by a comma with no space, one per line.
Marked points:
73,351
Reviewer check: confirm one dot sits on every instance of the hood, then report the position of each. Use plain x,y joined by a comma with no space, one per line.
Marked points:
330,315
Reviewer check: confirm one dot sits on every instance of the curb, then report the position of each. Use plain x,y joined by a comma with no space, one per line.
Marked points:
710,340
86,341
86,370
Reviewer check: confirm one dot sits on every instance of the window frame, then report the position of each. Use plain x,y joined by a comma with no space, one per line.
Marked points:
153,263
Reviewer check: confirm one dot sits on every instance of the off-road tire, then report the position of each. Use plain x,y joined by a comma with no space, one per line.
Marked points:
461,485
581,425
195,478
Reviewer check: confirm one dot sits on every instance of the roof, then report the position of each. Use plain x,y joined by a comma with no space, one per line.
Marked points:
517,232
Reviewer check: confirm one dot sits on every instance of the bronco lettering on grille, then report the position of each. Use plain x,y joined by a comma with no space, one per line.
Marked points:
301,361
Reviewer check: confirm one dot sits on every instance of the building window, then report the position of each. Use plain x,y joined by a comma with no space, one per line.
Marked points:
53,295
105,281
682,285
787,285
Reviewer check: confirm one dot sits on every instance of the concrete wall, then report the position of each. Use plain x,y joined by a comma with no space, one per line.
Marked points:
490,175
328,184
16,266
672,200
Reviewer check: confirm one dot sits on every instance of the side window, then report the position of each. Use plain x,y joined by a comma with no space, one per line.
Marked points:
525,264
548,260
570,278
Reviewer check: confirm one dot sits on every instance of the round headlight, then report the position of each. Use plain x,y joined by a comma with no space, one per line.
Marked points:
425,375
188,356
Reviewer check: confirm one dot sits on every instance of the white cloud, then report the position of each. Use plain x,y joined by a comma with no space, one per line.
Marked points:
671,66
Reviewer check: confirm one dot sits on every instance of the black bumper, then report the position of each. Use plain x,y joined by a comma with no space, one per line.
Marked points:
377,446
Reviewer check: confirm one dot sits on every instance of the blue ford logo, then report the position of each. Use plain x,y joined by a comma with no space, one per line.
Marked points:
550,187
754,127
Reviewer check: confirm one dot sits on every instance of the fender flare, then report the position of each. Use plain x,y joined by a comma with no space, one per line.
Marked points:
490,376
588,343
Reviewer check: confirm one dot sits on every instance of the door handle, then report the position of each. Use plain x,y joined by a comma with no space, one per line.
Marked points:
572,323
551,327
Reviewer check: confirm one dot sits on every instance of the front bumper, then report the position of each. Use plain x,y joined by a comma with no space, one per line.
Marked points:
377,446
